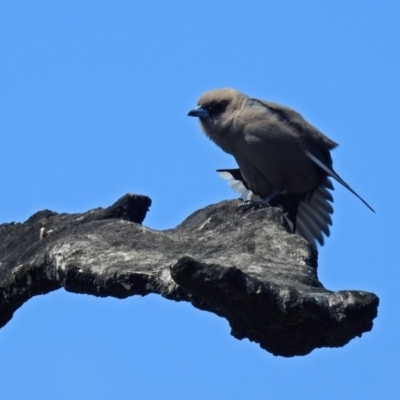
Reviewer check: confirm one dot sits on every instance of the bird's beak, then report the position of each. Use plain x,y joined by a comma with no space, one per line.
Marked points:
199,112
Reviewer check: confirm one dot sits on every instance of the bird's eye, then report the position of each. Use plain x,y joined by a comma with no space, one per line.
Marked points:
217,108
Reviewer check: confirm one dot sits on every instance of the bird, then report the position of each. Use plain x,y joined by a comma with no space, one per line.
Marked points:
283,160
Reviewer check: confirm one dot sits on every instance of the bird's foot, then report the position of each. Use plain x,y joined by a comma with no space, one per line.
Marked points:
249,204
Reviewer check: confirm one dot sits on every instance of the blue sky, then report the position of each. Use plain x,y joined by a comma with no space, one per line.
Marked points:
93,104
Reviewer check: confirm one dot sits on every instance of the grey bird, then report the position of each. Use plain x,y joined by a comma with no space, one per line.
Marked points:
283,160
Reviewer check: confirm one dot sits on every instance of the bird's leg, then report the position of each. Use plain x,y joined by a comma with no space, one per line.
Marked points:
249,204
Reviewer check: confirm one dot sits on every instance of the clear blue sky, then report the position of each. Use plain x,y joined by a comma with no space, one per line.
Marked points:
93,104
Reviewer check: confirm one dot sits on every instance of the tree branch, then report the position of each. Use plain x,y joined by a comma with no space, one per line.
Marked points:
246,268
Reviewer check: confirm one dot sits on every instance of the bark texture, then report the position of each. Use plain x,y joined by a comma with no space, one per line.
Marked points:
244,267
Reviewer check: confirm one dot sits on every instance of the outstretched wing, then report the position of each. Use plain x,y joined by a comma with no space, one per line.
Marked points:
309,217
334,175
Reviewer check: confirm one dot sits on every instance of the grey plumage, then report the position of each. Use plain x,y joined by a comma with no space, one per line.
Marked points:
282,159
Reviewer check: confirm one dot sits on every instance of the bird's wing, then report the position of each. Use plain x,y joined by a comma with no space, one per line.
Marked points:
270,152
314,140
305,129
334,175
313,216
238,184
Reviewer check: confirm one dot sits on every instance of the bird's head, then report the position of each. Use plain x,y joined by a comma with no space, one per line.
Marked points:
214,103
216,110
